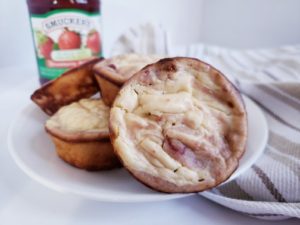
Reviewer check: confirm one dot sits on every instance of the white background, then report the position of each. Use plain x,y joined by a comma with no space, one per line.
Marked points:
231,23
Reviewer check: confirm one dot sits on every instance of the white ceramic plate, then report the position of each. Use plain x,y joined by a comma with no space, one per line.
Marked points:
34,153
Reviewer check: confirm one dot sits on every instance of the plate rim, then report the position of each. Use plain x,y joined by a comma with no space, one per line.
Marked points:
155,198
52,185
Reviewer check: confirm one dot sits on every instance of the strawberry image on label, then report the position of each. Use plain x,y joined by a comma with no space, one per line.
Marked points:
45,45
93,42
69,40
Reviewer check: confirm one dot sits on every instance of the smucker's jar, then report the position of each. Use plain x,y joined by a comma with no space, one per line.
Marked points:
66,34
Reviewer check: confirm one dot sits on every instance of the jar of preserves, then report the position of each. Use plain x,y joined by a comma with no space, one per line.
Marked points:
66,34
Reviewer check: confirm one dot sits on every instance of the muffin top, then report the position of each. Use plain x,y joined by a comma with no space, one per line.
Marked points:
179,126
86,119
120,68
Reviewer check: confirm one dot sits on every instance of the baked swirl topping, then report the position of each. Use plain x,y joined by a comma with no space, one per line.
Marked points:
120,68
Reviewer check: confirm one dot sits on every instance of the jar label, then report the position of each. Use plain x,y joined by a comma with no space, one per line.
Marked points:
65,38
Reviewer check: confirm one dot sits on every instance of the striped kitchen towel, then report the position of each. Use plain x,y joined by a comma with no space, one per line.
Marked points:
270,189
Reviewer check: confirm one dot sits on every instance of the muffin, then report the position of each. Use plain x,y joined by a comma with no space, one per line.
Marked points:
71,86
81,137
179,126
112,73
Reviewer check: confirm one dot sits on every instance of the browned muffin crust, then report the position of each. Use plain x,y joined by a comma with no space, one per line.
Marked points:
81,137
108,89
113,72
73,85
92,155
